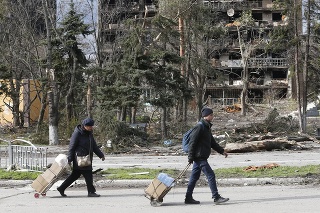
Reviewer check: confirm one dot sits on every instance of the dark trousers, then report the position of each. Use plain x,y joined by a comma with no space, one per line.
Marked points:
203,166
87,174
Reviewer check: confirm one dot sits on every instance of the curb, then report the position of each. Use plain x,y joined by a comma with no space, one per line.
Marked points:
202,182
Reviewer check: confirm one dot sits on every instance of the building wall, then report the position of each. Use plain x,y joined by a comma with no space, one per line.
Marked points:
30,104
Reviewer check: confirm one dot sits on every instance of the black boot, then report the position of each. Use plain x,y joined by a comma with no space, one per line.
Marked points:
61,192
190,200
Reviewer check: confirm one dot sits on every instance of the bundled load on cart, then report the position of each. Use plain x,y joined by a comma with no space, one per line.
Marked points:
160,186
45,180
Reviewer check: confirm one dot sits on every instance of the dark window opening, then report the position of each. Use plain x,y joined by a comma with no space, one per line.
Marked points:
279,74
235,16
234,56
234,75
255,93
110,38
257,16
278,55
276,17
257,77
282,93
259,53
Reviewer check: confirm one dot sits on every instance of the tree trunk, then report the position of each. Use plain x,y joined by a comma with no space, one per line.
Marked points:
42,109
183,102
244,91
89,100
69,96
133,114
163,123
296,63
53,95
305,70
15,97
53,116
245,74
122,114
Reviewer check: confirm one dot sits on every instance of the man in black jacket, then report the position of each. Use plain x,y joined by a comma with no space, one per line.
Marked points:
82,143
201,142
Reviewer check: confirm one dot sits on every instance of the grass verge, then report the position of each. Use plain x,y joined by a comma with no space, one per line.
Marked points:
145,173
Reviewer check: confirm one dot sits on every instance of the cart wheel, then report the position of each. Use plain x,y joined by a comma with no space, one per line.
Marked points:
43,194
155,203
36,195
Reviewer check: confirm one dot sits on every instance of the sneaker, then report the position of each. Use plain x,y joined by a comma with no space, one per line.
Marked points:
93,194
191,201
61,192
220,199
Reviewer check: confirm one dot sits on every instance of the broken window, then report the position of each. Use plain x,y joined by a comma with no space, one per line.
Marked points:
276,17
257,77
234,56
279,74
257,16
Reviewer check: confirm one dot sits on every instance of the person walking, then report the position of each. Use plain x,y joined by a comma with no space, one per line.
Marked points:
82,143
201,142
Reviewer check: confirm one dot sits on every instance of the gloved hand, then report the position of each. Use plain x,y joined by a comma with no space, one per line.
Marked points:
190,160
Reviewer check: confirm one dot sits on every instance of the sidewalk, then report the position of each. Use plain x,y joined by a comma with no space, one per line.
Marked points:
248,199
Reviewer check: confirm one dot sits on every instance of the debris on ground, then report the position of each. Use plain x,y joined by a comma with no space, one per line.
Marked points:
233,108
267,166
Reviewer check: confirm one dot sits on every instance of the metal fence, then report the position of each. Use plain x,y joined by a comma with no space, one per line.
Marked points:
23,157
232,101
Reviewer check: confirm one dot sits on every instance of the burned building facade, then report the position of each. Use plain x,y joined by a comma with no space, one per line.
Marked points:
268,71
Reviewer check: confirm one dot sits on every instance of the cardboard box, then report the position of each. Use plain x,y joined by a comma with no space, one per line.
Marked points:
157,189
48,175
39,184
55,168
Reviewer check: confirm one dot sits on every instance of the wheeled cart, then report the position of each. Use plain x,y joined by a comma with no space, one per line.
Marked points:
45,180
156,191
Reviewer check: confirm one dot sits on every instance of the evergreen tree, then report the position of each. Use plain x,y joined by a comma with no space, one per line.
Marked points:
70,62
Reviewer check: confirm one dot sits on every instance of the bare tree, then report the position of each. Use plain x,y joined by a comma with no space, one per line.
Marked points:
53,90
247,46
20,34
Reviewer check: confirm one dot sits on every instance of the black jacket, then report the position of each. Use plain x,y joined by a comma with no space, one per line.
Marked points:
80,145
201,142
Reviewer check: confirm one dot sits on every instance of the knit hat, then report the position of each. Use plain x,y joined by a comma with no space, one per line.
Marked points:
88,122
206,111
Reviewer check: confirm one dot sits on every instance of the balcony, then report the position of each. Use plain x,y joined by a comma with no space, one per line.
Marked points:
231,63
256,62
231,43
268,62
224,5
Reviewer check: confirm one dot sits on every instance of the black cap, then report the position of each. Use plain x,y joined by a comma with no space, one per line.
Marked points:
206,111
88,122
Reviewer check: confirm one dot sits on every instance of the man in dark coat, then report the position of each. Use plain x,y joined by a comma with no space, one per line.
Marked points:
200,145
82,143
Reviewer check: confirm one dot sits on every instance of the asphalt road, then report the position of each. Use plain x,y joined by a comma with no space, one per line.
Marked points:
280,198
246,199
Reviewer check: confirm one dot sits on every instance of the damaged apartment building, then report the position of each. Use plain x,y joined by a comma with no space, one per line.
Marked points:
268,71
112,14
